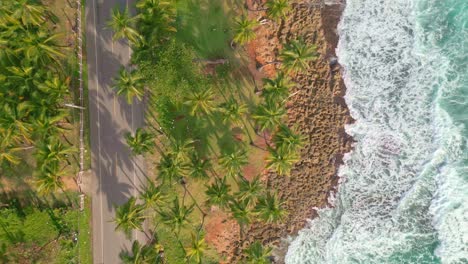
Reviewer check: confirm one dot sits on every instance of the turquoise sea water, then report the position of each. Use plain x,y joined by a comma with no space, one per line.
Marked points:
403,193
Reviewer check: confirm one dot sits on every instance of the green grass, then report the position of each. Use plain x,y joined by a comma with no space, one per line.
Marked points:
42,230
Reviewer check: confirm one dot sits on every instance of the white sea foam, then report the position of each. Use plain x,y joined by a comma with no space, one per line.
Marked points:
402,187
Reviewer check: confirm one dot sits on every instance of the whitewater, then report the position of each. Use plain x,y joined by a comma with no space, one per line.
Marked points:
403,191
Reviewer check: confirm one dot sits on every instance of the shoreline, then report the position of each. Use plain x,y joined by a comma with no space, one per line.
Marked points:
316,107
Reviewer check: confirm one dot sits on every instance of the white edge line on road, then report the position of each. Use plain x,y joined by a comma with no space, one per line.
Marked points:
99,127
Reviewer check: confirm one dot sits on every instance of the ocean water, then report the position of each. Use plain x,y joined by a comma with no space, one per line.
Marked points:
403,193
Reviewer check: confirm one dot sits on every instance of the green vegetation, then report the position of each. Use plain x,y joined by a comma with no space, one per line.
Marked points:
34,229
203,121
38,76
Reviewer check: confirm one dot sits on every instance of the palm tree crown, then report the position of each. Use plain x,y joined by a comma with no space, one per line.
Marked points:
176,216
141,142
129,216
201,102
233,162
277,9
297,55
268,115
130,85
257,254
218,193
277,90
245,30
270,208
281,160
196,250
122,25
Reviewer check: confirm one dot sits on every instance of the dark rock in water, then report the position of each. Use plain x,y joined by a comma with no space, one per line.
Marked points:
333,61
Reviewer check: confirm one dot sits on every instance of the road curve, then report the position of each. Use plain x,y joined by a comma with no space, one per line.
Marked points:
116,173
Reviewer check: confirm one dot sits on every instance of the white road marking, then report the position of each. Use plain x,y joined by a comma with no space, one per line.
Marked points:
99,128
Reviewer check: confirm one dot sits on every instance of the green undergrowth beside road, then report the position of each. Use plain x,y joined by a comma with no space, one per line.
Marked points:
39,230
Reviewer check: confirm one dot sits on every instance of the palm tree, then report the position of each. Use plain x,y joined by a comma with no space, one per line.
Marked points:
156,19
296,56
270,208
29,13
129,216
201,102
53,151
129,85
218,193
233,162
41,47
196,250
257,254
152,196
171,168
181,150
277,90
241,213
281,160
232,111
244,30
141,143
16,119
198,168
141,254
250,190
177,216
49,179
277,9
122,25
284,137
268,115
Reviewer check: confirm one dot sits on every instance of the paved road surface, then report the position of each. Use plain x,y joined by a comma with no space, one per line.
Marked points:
116,174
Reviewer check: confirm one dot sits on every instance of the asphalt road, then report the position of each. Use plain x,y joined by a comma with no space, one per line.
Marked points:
116,173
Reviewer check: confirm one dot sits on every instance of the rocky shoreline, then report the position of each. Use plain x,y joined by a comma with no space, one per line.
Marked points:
316,108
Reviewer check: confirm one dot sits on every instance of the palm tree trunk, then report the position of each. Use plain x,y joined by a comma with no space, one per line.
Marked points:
260,69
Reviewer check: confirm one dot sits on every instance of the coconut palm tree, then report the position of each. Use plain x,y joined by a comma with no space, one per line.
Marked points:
156,20
177,216
122,24
232,162
49,179
218,193
284,137
28,12
129,216
277,9
296,56
16,119
277,90
130,85
244,30
270,209
142,142
198,168
42,48
232,111
268,115
250,190
257,254
196,250
171,168
141,254
281,160
182,149
53,151
241,213
201,102
152,196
